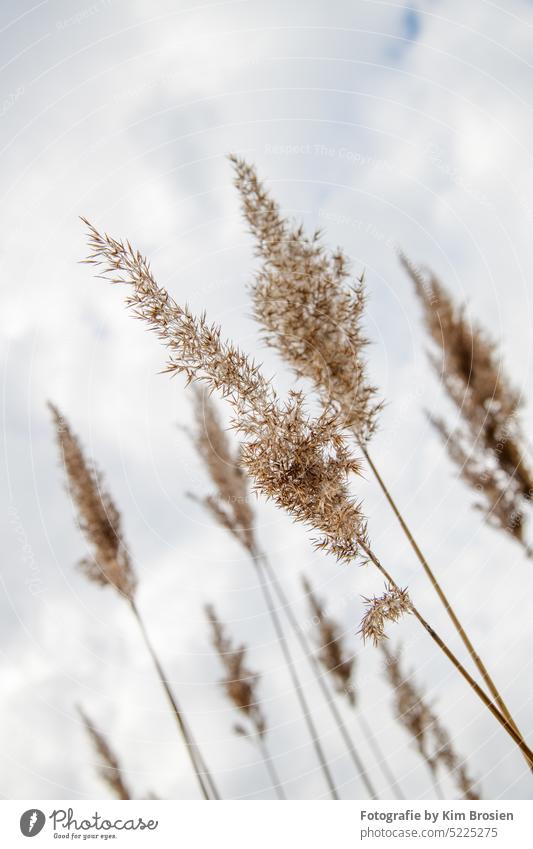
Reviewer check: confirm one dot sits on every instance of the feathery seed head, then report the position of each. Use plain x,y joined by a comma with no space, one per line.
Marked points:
389,607
98,517
239,682
109,768
417,716
488,448
300,463
308,310
230,505
332,653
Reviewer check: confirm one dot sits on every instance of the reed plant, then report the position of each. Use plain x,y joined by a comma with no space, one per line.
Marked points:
241,687
109,768
311,311
339,666
488,447
300,463
416,714
110,565
231,507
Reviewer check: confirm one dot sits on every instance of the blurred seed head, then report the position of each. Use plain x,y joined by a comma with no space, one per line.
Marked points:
414,712
488,448
109,769
98,517
239,682
332,653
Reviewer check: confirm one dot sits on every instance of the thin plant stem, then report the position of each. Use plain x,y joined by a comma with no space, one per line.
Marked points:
306,712
442,596
379,754
522,745
205,781
270,768
330,700
436,782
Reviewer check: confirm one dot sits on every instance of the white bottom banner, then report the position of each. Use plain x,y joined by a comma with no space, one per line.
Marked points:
265,825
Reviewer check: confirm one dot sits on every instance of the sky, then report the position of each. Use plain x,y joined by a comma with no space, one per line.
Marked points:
386,124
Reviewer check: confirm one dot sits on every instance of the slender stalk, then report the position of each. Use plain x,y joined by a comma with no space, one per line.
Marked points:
330,700
306,712
491,686
271,769
207,785
436,783
522,745
379,755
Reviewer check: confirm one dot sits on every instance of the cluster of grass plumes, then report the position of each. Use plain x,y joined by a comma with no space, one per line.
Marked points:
432,740
488,446
388,607
301,463
309,308
313,316
100,521
109,768
240,683
98,517
332,653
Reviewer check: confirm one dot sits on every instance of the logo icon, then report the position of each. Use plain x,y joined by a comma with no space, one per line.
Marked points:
32,822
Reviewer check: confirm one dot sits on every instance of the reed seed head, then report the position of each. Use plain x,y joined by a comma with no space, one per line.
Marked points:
309,310
414,712
388,607
332,653
240,684
109,769
488,447
302,464
98,517
230,505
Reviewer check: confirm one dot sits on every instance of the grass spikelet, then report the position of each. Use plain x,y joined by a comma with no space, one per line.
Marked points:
388,607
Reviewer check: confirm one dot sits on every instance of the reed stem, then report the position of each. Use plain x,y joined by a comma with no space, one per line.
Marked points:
306,712
330,700
504,722
270,768
442,596
201,771
379,755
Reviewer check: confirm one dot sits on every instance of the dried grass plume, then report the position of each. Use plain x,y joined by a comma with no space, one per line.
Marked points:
308,307
302,464
98,517
109,769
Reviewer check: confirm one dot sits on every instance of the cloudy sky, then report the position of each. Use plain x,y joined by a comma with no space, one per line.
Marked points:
385,124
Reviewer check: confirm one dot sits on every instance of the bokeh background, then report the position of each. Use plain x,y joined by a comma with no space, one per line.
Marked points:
385,124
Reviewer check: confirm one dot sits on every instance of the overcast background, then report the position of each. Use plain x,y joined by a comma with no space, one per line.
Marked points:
385,124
